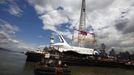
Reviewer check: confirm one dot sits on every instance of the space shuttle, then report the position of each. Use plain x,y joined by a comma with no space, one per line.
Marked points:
64,46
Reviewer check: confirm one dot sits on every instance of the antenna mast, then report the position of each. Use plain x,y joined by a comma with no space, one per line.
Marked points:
82,21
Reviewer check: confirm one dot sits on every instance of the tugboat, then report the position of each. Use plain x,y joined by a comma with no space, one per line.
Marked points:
51,64
44,68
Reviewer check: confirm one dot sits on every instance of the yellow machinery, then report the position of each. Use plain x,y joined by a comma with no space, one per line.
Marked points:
85,39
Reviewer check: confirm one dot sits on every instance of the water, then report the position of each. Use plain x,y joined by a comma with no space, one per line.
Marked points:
12,63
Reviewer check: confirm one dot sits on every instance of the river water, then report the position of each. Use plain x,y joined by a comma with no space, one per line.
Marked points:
14,63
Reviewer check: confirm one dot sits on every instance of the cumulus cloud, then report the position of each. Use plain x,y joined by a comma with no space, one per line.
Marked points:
8,39
7,28
15,10
12,7
112,20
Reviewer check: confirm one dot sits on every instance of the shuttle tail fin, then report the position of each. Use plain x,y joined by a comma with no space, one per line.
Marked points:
62,40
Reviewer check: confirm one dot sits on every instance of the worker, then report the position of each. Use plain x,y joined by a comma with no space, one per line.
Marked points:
59,69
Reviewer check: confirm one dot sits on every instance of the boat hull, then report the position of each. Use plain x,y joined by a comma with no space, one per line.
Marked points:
34,57
50,71
97,63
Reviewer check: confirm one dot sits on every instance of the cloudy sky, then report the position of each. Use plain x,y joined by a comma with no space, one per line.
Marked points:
27,23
